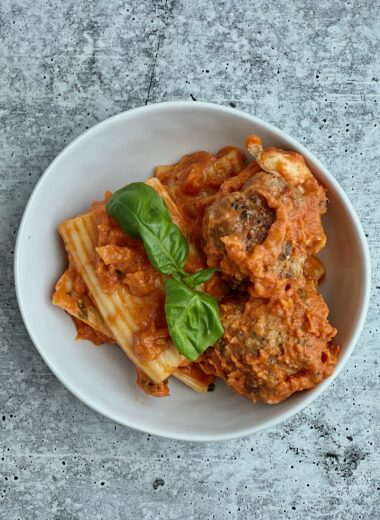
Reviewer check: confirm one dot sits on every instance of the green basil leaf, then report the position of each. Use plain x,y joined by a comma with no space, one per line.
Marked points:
142,213
192,316
193,319
192,280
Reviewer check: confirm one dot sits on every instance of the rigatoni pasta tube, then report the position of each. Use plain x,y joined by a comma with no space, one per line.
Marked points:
64,297
117,307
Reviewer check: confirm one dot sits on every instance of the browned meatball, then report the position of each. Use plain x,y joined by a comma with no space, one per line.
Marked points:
265,232
246,216
273,348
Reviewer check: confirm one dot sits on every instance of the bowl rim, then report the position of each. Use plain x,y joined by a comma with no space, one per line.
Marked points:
364,252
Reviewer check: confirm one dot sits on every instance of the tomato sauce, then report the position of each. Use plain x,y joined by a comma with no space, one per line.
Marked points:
86,332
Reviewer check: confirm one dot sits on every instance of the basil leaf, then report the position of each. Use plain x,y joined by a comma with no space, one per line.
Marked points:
141,213
193,318
192,280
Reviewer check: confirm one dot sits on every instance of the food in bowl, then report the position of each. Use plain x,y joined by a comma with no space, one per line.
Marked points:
208,270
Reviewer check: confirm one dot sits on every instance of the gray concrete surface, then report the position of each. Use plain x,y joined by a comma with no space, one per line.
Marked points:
310,68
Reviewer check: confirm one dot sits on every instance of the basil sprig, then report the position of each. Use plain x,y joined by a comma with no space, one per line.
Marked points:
192,316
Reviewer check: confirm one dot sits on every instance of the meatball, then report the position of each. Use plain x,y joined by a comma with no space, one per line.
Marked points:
273,348
265,232
246,216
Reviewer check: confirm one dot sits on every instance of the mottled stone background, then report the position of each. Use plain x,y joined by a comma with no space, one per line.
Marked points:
310,68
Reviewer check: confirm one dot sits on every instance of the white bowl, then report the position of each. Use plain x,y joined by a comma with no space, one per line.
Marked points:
113,153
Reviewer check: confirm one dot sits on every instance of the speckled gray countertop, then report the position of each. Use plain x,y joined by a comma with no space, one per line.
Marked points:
308,67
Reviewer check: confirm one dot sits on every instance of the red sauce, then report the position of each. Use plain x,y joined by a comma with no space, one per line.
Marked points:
195,371
150,388
84,331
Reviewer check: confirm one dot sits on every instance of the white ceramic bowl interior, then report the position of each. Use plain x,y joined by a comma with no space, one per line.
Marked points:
115,152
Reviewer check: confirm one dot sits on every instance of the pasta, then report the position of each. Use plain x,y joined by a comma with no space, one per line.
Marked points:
83,309
118,307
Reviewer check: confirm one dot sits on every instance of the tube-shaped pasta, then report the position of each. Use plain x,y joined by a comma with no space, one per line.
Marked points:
117,307
84,309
